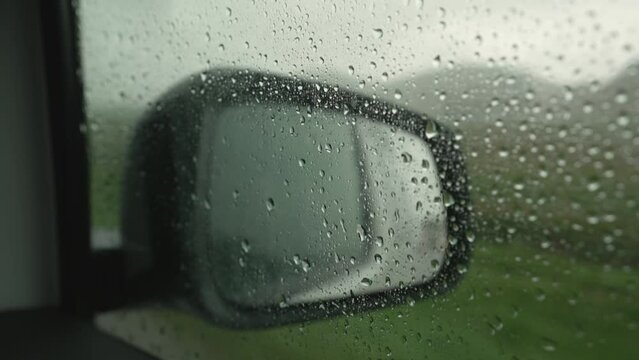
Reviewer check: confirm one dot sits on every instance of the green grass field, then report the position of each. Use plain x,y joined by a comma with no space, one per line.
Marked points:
514,303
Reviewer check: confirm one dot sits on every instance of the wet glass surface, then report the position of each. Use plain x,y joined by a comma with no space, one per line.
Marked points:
542,98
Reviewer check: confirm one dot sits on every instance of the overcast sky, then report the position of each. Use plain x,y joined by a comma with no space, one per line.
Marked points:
135,50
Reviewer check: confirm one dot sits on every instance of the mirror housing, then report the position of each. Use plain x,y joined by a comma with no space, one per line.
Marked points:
258,200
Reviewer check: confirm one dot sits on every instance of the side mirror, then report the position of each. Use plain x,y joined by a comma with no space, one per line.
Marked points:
260,200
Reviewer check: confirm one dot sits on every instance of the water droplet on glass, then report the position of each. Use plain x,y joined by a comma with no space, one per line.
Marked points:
437,60
621,97
378,33
548,345
623,120
366,282
434,264
470,236
448,199
406,157
306,265
246,247
431,129
270,204
588,108
361,233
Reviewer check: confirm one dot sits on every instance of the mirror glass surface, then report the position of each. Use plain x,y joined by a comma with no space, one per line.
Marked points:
298,206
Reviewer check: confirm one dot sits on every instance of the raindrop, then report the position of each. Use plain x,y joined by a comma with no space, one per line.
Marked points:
246,247
461,269
470,236
284,303
431,129
548,345
306,265
406,157
378,33
434,264
361,233
270,204
568,94
366,282
449,200
621,97
623,120
588,108
437,61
